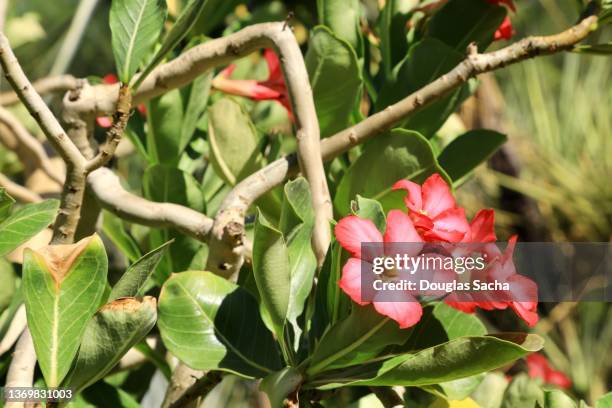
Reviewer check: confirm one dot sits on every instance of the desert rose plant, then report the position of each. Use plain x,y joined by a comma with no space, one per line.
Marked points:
227,192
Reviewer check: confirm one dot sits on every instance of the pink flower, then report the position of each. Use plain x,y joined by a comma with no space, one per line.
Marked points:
539,367
273,88
351,232
433,210
504,31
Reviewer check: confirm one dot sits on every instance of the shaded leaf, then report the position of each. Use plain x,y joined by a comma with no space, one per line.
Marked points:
343,19
523,392
469,150
112,331
280,384
234,142
371,210
62,286
6,202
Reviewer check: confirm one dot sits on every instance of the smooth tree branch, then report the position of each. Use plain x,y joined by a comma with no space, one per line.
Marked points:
113,197
21,370
44,86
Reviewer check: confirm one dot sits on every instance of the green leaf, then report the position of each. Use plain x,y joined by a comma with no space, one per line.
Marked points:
557,399
335,78
113,330
400,154
523,392
456,323
458,358
136,275
356,339
280,384
184,23
343,18
490,392
215,11
24,223
234,142
135,27
212,324
103,394
371,210
468,150
6,202
271,272
605,401
297,205
196,103
63,286
426,61
460,22
9,284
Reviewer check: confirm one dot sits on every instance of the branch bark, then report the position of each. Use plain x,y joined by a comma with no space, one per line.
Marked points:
17,191
21,370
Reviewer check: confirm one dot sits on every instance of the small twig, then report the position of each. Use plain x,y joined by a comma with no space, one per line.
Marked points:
388,397
44,86
115,132
200,388
183,378
17,191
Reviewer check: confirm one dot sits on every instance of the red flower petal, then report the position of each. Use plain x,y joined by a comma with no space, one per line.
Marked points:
351,231
449,226
406,312
504,31
104,121
400,228
110,79
350,282
437,196
482,227
413,199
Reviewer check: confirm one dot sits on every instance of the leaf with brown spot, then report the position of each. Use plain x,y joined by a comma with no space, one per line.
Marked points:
113,330
62,286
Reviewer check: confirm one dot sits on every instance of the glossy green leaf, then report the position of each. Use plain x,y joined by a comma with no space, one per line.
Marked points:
458,358
469,150
6,202
24,223
112,331
297,205
335,79
371,210
280,384
184,23
343,19
271,272
135,27
62,286
355,340
490,392
234,142
426,61
196,102
460,22
136,275
212,324
9,284
400,154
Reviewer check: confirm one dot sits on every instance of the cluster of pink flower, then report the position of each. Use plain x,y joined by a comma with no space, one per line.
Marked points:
433,216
